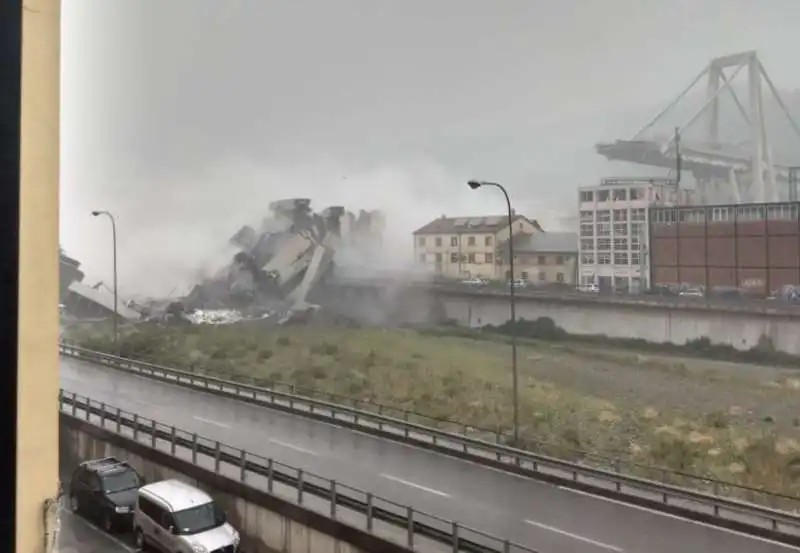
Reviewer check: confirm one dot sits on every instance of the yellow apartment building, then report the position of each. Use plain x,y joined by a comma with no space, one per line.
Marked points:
542,258
467,247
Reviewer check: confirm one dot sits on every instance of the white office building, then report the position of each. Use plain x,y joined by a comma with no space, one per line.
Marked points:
614,229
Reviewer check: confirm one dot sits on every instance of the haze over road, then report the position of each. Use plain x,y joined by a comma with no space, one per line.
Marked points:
542,516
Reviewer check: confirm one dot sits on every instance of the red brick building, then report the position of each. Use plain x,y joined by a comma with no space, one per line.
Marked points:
752,247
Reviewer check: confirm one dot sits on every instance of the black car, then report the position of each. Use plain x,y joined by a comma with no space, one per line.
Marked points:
105,490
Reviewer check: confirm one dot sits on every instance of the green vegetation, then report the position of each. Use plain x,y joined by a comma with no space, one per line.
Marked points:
681,414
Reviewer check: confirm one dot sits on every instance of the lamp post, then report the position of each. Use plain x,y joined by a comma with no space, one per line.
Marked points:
474,185
116,298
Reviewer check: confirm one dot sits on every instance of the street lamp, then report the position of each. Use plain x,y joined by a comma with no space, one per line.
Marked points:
474,185
116,307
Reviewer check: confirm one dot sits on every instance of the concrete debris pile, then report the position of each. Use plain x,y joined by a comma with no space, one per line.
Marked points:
279,263
215,316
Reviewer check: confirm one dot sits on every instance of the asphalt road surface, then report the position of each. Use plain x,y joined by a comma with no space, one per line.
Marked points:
542,516
78,535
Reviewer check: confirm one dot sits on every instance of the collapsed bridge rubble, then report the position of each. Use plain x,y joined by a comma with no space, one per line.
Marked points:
279,263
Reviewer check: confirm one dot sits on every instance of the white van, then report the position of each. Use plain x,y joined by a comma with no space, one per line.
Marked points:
174,517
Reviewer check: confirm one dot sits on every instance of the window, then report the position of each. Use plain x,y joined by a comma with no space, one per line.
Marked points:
620,194
637,194
421,241
587,259
620,215
438,242
602,195
560,278
559,260
782,212
487,241
521,226
587,229
603,216
635,243
586,195
637,229
524,275
620,258
542,276
719,214
603,229
587,244
488,258
471,258
689,215
587,216
636,259
541,260
119,481
604,259
621,229
638,214
471,241
454,241
620,243
422,258
603,244
750,213
453,258
168,521
438,258
151,509
199,519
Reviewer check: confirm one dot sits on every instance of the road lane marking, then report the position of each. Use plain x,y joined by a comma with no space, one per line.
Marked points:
413,485
574,536
292,446
209,421
679,519
87,524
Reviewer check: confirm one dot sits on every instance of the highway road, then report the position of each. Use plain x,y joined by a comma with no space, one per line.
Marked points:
542,516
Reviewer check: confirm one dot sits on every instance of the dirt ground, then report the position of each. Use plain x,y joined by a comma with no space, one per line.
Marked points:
757,395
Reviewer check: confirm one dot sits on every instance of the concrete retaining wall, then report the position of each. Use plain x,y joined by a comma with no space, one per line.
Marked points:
742,331
267,523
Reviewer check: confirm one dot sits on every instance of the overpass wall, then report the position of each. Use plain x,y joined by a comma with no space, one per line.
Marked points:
742,331
266,523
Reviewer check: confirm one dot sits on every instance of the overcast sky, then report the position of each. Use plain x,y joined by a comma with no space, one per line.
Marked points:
187,117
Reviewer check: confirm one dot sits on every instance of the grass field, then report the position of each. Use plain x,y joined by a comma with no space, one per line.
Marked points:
729,421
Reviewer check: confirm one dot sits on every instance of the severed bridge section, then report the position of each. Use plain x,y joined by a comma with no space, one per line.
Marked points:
724,172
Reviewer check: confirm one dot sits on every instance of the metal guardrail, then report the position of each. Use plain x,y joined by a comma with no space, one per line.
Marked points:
338,501
716,501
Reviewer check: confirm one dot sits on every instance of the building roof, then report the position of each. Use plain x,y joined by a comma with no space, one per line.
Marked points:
460,225
544,242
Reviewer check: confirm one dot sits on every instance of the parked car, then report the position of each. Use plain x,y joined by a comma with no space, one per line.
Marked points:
590,288
692,293
475,282
518,283
105,490
175,517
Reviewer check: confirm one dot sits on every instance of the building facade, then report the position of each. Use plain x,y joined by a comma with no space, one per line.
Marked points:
466,247
754,248
544,258
35,509
614,231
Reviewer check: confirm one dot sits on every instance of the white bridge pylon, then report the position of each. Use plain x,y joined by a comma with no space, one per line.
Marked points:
760,170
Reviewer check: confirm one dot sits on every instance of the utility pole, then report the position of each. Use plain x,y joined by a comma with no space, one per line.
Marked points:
474,185
116,296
